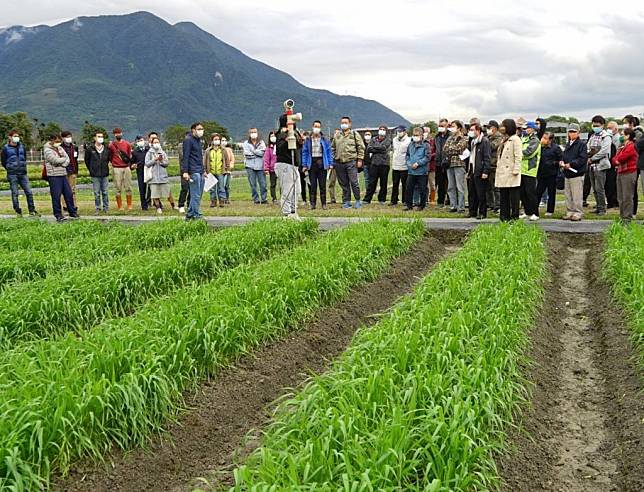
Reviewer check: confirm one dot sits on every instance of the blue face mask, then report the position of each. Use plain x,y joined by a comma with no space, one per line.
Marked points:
597,129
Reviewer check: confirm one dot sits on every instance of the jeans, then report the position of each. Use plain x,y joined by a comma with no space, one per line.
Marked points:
416,182
317,175
58,185
456,187
587,187
529,195
227,177
399,178
257,178
289,178
195,185
100,191
379,174
598,179
347,174
218,191
509,203
477,199
549,184
22,181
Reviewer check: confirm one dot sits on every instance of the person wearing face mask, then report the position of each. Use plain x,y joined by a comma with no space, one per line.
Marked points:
626,163
378,148
97,160
574,163
270,159
453,155
548,169
121,159
215,164
56,162
478,172
157,160
14,160
184,192
366,164
348,156
612,128
317,159
228,169
633,123
192,169
254,149
304,185
331,176
417,160
531,149
496,139
72,169
431,175
286,168
508,171
599,149
399,164
139,152
441,165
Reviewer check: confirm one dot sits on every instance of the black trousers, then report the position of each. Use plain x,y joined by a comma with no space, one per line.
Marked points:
587,186
441,185
58,185
528,195
184,194
611,188
477,196
143,188
416,181
509,209
303,184
399,178
317,175
273,179
548,183
635,198
377,174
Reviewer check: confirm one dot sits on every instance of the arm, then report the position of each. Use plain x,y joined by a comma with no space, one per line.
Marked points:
582,158
486,157
52,158
260,149
359,146
3,157
531,149
150,159
266,160
518,156
164,161
604,150
334,149
248,150
424,160
307,150
186,156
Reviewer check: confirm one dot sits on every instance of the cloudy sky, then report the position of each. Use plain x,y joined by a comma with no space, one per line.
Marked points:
423,59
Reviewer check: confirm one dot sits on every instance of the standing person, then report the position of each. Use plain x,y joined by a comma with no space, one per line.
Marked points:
453,152
633,123
157,160
56,163
192,169
230,159
304,186
286,169
626,163
317,159
598,149
270,158
496,139
348,156
254,149
379,149
417,165
366,165
139,152
478,171
214,162
551,156
399,164
441,163
71,149
612,128
431,176
14,160
121,159
97,160
184,193
331,175
529,166
508,171
574,164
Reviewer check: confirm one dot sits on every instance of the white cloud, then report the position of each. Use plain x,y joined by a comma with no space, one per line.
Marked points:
423,58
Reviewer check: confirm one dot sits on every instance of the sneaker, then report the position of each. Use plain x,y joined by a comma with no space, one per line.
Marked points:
323,207
575,218
264,202
61,219
534,218
522,216
221,204
392,204
313,207
346,205
406,209
585,205
358,204
566,217
33,213
549,214
382,203
74,216
97,211
182,210
159,210
453,210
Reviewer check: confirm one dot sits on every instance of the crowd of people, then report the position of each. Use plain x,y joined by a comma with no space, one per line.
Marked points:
507,168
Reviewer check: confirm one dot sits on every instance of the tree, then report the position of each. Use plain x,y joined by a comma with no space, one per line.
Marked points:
174,135
433,126
45,130
210,127
89,130
17,121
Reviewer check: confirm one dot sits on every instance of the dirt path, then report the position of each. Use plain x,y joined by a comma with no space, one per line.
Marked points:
583,432
241,398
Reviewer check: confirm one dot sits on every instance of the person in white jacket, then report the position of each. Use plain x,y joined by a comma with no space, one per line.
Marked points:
399,163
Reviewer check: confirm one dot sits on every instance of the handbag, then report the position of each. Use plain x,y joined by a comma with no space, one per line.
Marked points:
147,174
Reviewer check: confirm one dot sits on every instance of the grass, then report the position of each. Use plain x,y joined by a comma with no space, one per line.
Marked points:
624,270
73,397
421,400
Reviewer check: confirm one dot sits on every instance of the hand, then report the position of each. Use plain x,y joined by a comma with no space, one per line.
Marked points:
414,165
516,173
483,176
186,176
266,173
561,164
133,167
567,166
331,167
359,163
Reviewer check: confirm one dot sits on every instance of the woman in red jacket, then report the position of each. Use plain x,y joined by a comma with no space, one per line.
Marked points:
626,163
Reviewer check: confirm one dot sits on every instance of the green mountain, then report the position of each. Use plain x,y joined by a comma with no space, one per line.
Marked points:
138,72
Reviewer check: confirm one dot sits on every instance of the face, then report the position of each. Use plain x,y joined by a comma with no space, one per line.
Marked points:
530,131
118,136
367,136
317,128
453,128
572,135
156,143
626,124
474,131
99,138
252,133
345,124
613,128
15,138
417,136
545,141
502,130
152,136
198,131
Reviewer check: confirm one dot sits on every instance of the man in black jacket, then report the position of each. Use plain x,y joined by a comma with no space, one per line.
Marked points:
97,160
478,172
574,164
551,156
378,149
441,167
139,152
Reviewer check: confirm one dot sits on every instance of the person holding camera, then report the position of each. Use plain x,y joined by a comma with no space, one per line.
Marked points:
121,159
157,160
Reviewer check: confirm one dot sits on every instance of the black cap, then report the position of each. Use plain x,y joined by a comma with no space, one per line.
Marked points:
493,123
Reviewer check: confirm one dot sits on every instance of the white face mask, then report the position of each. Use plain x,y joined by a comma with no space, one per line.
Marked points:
367,138
216,142
15,139
316,130
199,133
68,140
253,135
626,125
382,133
416,138
400,134
344,126
100,140
609,131
471,134
442,129
140,144
157,146
452,129
56,144
488,133
224,143
273,139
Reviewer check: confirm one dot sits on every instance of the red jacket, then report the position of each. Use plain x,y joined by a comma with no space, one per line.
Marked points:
626,159
115,158
431,152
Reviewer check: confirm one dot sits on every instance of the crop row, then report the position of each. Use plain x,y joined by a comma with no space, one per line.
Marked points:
419,401
106,241
72,397
624,270
78,299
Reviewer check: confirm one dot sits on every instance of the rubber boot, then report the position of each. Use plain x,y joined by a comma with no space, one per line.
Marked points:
129,201
432,197
119,202
213,203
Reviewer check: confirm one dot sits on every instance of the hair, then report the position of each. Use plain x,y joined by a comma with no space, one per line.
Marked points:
213,135
53,136
458,124
443,120
66,133
99,132
14,132
383,127
195,125
632,120
155,138
613,122
548,134
346,118
510,126
598,119
153,133
630,133
477,126
317,121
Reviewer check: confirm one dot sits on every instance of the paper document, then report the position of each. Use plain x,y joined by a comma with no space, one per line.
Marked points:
210,183
466,153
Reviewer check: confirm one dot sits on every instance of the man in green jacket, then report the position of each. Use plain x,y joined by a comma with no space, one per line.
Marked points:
529,168
348,155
